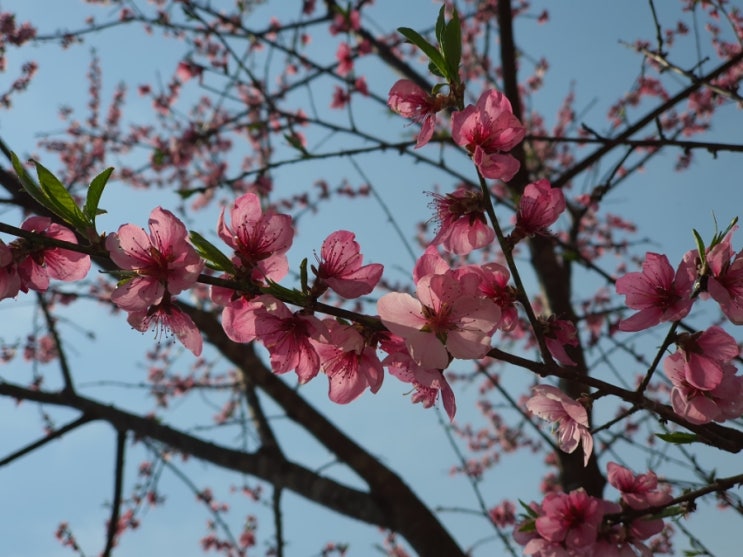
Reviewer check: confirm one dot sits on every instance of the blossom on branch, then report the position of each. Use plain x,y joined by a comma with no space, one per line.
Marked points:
569,417
287,337
340,266
463,225
698,406
570,519
488,130
36,263
410,101
658,293
260,240
725,283
167,315
539,207
350,364
163,262
10,282
705,353
448,319
427,382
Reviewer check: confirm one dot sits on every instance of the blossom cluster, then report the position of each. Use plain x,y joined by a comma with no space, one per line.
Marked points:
576,524
705,384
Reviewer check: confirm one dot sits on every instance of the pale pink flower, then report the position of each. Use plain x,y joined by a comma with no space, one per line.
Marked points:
430,263
36,266
428,383
287,337
340,266
487,130
724,402
725,282
539,207
445,319
559,333
167,315
350,364
162,262
569,417
410,101
187,70
657,292
238,317
10,282
705,354
260,240
640,491
344,55
463,226
572,519
494,285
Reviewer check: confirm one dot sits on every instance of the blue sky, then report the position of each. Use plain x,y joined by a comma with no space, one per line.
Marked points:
71,480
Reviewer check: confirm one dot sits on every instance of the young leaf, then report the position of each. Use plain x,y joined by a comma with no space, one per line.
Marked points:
428,49
94,195
440,25
678,437
28,184
211,253
60,202
451,46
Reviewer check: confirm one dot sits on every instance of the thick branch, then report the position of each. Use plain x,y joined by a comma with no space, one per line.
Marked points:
278,471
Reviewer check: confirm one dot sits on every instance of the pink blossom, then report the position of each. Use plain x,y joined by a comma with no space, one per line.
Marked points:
187,70
487,130
10,282
35,266
725,282
569,416
559,333
705,353
494,286
657,292
639,491
463,226
428,383
260,240
287,337
410,101
344,55
162,262
167,315
572,519
539,207
445,319
238,317
724,402
430,263
350,364
340,266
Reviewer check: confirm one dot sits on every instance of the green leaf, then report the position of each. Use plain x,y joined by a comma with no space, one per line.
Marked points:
61,202
440,25
296,142
434,69
676,510
678,437
211,253
451,46
529,511
303,280
28,184
428,49
93,198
